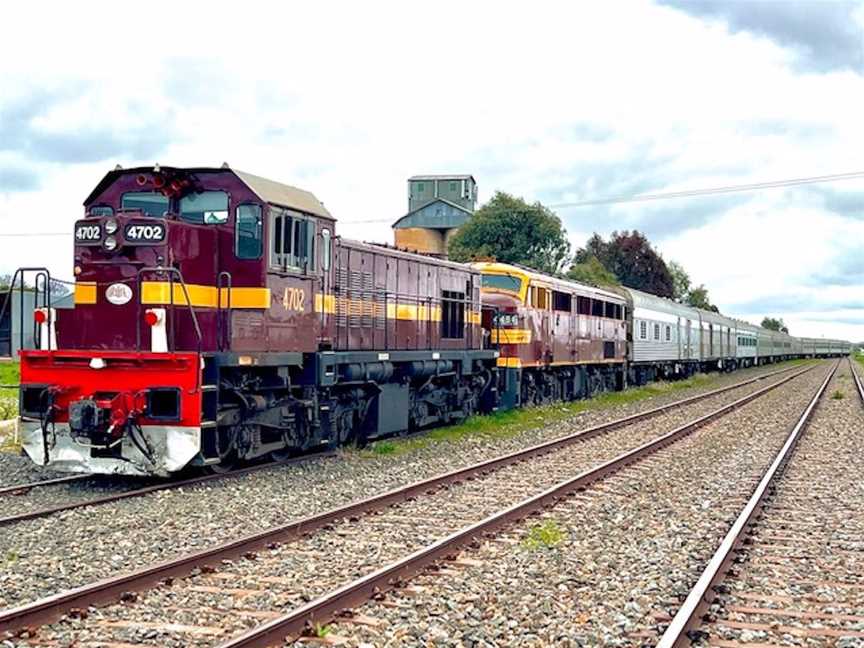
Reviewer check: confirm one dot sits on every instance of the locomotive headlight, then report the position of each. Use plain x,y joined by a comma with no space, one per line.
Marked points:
110,243
111,226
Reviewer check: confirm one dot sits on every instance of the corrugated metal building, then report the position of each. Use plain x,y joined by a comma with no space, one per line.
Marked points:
438,205
20,314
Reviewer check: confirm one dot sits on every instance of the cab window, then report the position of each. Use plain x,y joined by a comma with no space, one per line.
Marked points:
100,210
205,207
248,232
502,282
152,203
292,241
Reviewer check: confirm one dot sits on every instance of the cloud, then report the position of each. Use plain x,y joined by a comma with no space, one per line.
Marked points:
587,106
834,317
844,202
825,35
845,270
60,126
780,304
18,179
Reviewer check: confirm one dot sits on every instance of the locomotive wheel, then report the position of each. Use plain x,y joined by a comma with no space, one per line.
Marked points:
226,465
283,455
228,457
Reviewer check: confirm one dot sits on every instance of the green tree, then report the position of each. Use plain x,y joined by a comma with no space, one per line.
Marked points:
774,324
680,281
510,230
592,272
698,298
630,257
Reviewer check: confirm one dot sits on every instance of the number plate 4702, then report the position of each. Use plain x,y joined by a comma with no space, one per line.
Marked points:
138,232
294,299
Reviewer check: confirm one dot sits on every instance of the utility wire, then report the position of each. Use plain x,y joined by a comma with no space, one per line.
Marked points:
714,190
689,193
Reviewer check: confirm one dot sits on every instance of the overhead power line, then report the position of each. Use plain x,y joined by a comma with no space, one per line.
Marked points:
688,193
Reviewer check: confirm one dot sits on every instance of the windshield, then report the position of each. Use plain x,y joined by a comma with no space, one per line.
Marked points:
149,202
208,207
502,282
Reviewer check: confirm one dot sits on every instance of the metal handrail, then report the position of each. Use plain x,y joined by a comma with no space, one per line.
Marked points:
172,272
220,338
46,275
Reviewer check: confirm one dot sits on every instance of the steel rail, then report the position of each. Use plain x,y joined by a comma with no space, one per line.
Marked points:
689,615
59,508
856,379
336,602
146,490
52,607
17,489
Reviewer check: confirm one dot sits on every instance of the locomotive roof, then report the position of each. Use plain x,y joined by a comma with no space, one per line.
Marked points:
540,278
406,254
269,191
283,194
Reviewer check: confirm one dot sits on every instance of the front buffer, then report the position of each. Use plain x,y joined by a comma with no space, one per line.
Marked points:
106,412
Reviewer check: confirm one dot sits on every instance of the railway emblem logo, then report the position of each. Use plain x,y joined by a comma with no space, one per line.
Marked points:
118,294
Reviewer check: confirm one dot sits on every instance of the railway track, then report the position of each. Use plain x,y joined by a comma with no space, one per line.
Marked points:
856,378
789,571
19,489
18,509
291,564
125,489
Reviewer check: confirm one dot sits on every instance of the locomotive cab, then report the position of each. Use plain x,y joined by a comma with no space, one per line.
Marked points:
172,281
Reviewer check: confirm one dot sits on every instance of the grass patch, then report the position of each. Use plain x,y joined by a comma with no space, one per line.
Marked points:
544,536
502,425
8,408
837,395
383,448
10,374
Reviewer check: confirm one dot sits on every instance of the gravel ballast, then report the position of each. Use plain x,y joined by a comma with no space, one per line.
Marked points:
800,579
605,567
297,572
79,546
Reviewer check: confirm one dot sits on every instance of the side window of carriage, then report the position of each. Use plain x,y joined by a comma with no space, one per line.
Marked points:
292,241
248,232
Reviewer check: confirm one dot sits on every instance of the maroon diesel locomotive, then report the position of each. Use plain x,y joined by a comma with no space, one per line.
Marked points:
219,318
558,340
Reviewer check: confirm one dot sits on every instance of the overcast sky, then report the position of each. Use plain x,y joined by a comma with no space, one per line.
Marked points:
555,102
